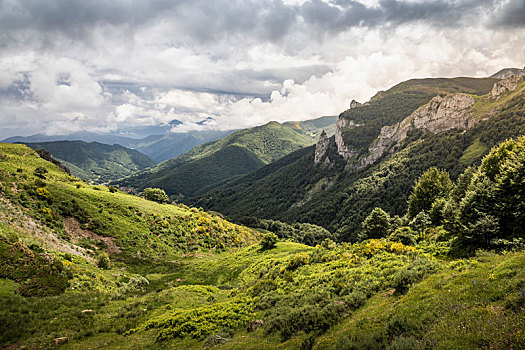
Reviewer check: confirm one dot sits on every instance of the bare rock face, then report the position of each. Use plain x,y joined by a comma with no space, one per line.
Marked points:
354,104
321,148
510,84
440,114
342,149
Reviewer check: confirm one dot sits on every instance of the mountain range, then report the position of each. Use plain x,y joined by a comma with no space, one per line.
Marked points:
398,224
237,154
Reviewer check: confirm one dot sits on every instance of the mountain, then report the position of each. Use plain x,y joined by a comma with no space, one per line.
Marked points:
237,154
96,162
88,266
378,151
171,145
82,136
84,267
507,72
157,142
314,127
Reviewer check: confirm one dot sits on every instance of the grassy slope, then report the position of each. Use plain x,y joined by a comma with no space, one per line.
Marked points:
294,288
458,304
211,163
134,223
95,161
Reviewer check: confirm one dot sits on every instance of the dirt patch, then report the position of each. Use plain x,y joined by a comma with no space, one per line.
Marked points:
76,232
47,237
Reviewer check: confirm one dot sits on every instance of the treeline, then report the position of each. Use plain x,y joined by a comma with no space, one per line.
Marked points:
308,234
484,208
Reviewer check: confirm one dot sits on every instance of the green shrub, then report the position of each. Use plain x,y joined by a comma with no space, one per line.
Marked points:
404,235
103,261
112,189
269,241
376,225
134,284
40,171
297,261
155,194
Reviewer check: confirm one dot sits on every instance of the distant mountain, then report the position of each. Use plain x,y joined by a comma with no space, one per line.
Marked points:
82,136
171,145
237,154
157,142
314,127
378,151
96,162
507,72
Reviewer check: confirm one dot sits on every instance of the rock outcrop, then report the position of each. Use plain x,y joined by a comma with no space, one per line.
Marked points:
440,114
342,149
509,84
354,104
321,148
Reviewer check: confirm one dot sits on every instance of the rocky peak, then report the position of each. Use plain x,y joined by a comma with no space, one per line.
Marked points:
321,148
440,114
510,84
354,104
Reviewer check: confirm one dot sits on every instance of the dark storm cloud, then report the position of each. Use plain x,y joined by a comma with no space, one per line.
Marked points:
512,15
349,13
204,21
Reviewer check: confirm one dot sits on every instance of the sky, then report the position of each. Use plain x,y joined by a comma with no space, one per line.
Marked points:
103,66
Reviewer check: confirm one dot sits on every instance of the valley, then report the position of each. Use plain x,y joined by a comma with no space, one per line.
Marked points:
398,224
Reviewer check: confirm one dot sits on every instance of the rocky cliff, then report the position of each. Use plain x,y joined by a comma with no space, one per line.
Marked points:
442,113
321,148
509,84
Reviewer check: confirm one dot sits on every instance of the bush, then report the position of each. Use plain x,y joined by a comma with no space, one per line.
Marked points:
269,241
112,189
40,171
155,194
297,261
134,284
103,260
404,235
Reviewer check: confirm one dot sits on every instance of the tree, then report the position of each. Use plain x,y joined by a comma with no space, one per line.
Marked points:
433,184
156,195
376,224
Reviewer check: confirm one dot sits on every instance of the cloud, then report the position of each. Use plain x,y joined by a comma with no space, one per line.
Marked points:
99,65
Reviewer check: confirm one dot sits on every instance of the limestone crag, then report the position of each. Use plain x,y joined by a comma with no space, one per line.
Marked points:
321,148
440,114
342,149
354,104
510,84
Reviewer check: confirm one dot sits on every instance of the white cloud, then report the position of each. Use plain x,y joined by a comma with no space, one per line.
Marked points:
115,65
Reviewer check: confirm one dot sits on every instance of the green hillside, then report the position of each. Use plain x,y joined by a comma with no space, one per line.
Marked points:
402,287
294,189
425,248
171,145
314,127
96,162
211,163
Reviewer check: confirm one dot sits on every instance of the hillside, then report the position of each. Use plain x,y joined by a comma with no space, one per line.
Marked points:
401,287
84,266
96,162
171,145
209,164
339,192
160,145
